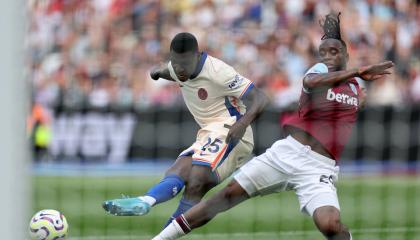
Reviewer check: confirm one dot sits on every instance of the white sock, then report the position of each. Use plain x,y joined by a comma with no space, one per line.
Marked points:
150,200
172,231
351,238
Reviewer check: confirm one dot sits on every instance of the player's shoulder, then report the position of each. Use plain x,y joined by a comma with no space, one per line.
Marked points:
358,81
218,71
317,68
217,66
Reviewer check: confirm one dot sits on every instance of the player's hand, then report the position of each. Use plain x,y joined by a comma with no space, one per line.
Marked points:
155,73
236,132
375,71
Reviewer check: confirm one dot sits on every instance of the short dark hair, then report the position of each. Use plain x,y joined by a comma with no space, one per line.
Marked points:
331,27
184,42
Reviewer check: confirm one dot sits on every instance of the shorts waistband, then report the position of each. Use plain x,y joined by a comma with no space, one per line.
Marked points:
307,150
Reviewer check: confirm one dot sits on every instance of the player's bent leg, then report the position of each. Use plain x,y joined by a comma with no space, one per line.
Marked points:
173,182
166,189
207,172
203,212
327,220
255,177
227,198
200,181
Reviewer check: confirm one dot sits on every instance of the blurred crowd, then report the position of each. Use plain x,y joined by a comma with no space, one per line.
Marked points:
98,53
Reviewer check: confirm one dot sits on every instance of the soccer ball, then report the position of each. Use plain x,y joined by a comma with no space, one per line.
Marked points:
48,225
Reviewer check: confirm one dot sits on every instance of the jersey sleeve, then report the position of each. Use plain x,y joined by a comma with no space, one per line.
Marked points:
361,82
234,84
316,69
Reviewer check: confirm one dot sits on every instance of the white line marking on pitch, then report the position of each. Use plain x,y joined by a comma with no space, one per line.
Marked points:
256,234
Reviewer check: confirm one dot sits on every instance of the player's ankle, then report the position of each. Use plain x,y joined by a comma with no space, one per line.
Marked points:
183,223
148,199
174,230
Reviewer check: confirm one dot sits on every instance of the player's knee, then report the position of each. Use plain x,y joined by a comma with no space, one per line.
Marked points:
330,227
196,188
232,193
229,193
200,181
328,222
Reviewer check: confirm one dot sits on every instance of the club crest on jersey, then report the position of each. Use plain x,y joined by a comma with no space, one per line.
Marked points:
236,82
341,98
353,88
202,94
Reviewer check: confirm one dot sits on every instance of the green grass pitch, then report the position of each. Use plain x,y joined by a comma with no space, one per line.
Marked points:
373,208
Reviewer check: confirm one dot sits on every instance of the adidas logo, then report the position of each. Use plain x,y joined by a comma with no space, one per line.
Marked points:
341,98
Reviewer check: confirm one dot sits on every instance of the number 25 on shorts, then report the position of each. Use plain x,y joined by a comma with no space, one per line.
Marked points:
212,146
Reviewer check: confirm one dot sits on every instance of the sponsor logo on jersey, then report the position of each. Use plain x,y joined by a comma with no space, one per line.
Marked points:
236,82
341,98
202,94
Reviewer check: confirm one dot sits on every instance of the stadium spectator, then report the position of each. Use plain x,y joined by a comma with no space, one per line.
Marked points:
73,45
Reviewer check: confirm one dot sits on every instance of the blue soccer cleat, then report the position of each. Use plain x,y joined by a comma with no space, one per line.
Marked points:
126,207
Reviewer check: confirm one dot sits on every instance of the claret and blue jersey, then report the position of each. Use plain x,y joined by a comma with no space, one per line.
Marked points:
329,113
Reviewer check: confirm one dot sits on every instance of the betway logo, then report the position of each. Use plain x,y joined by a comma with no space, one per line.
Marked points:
341,98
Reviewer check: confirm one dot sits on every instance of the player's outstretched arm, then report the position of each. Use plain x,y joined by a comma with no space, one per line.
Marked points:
367,73
255,102
375,71
161,72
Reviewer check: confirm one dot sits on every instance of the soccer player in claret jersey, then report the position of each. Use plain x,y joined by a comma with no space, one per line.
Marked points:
306,160
213,92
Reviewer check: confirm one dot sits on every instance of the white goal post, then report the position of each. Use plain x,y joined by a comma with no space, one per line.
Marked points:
14,96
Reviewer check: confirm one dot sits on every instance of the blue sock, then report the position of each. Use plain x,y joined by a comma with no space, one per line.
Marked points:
183,206
166,189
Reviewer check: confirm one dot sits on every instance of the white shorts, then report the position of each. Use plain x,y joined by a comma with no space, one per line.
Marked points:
210,149
290,165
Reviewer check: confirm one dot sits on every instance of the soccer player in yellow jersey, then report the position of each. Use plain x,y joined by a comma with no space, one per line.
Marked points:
214,94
